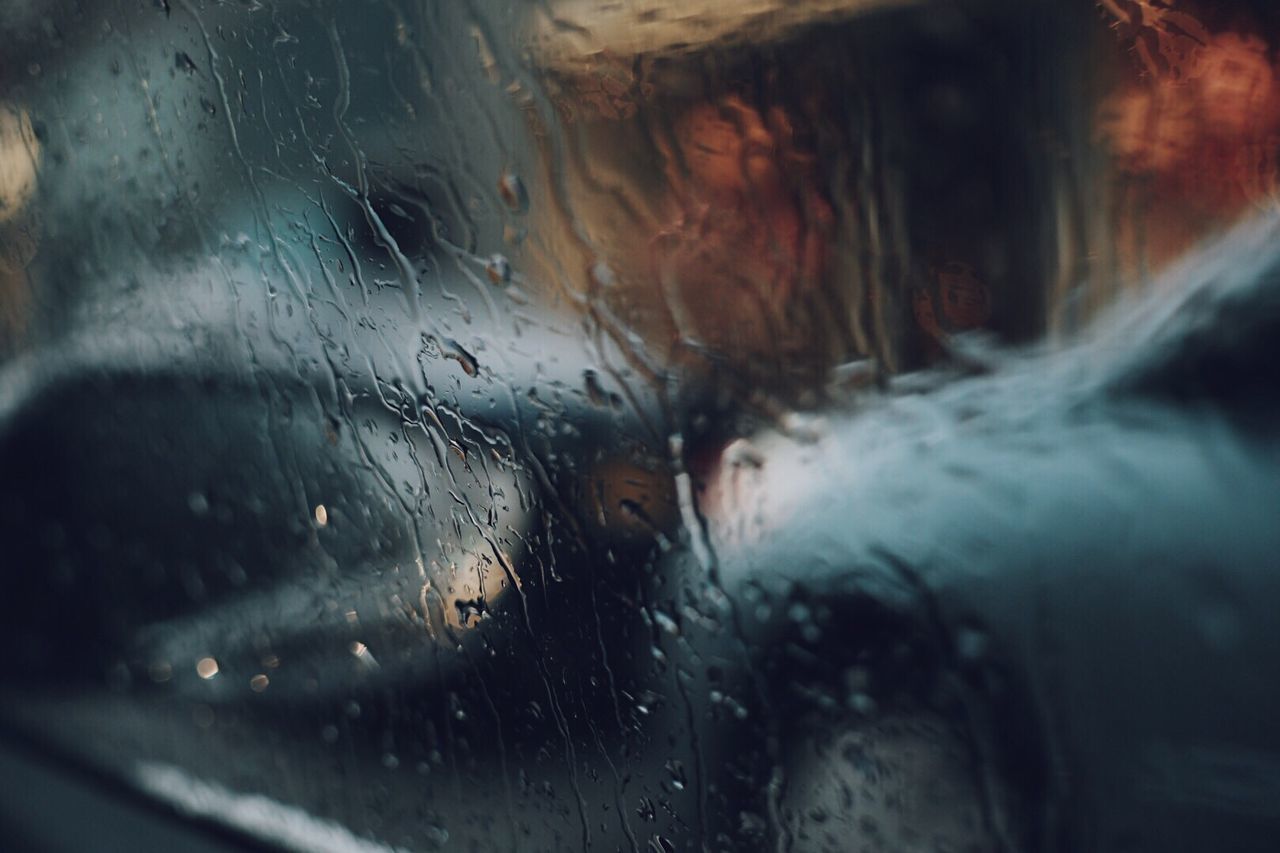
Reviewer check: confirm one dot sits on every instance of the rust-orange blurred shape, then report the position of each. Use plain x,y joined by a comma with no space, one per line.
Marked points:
1150,129
966,300
752,231
726,146
1166,40
1237,83
962,304
1199,125
1203,96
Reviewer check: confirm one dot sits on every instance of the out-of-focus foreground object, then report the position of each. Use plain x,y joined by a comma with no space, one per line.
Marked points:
545,425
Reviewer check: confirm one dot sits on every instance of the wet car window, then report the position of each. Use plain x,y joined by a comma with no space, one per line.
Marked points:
638,425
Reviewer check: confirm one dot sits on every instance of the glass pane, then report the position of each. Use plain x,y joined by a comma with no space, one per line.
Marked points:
638,425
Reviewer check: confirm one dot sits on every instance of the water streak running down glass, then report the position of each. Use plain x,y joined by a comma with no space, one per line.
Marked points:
639,425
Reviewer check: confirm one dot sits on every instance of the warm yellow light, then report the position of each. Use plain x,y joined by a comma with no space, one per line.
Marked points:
19,159
206,668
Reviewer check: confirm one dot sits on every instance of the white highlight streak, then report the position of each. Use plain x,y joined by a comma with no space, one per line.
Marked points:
260,816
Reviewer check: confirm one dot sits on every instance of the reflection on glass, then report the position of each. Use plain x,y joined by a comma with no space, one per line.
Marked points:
645,425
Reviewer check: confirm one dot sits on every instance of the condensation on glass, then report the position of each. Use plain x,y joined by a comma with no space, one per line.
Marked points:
378,380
